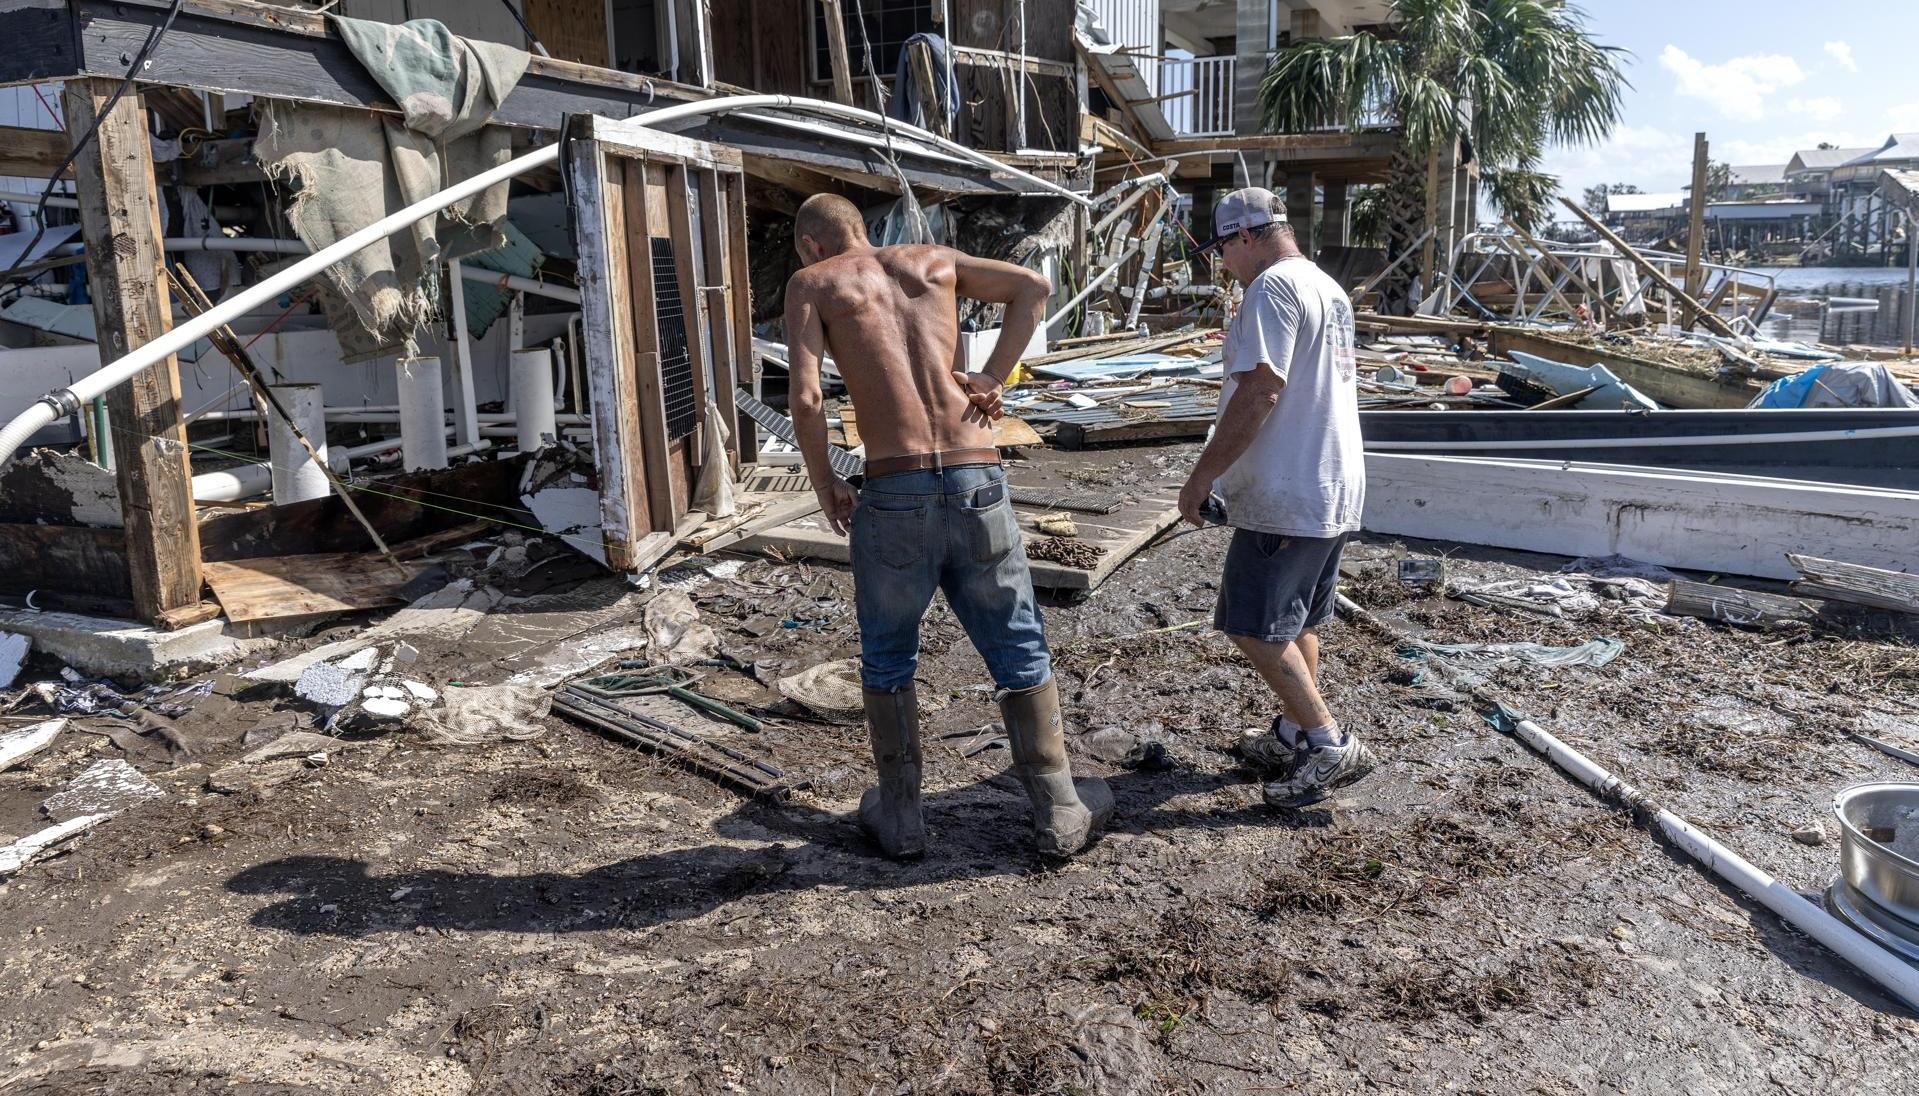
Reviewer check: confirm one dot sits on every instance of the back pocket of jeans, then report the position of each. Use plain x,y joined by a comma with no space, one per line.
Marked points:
896,538
991,530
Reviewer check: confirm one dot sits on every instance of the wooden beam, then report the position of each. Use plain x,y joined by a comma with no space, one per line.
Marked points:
740,287
600,234
1696,220
920,60
716,302
680,228
836,51
120,221
1595,300
1658,276
1299,146
31,153
654,455
1836,580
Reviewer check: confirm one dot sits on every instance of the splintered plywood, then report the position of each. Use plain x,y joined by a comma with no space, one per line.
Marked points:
276,587
1121,533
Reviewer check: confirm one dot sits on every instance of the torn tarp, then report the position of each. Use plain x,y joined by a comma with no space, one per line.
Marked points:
1593,652
349,168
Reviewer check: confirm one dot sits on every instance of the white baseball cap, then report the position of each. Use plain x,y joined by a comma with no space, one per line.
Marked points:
1247,207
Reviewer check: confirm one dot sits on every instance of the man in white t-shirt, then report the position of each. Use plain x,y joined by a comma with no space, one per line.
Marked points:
1286,460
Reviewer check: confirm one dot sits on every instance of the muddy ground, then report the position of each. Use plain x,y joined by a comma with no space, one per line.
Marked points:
567,915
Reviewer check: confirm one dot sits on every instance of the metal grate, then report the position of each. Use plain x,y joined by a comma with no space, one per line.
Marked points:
678,386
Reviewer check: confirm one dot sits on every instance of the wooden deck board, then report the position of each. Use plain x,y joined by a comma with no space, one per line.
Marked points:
1122,533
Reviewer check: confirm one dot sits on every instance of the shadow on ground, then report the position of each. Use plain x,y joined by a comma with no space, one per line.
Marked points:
979,830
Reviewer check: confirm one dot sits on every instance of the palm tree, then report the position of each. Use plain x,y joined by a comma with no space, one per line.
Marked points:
1506,76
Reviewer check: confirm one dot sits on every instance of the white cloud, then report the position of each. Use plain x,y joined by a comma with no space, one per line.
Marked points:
1903,118
1842,53
1778,150
1823,108
1737,88
1645,156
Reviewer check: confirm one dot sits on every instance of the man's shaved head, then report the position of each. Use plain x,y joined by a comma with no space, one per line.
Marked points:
826,225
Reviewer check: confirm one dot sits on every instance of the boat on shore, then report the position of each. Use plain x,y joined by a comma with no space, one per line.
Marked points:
1873,447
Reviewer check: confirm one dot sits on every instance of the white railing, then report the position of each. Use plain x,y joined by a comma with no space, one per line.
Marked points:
1202,95
1135,24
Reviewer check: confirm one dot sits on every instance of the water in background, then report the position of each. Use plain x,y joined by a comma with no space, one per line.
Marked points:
1804,310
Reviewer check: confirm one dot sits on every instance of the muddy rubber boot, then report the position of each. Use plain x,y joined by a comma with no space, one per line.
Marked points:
890,810
1065,811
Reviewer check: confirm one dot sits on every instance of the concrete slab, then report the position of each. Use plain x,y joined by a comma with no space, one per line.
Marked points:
104,646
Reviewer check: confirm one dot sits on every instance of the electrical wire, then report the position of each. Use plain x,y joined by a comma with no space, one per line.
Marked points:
139,61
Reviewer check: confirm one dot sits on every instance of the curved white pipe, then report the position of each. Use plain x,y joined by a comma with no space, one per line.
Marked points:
52,406
1894,974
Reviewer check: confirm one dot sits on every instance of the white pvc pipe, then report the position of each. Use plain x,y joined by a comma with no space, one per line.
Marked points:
1145,184
296,476
1897,976
64,401
533,398
422,413
1067,308
247,480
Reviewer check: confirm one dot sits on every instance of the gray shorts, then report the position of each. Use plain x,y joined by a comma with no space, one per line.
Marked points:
1274,587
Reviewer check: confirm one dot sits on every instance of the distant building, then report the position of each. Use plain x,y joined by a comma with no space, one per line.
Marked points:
1809,173
1755,180
1868,225
1647,216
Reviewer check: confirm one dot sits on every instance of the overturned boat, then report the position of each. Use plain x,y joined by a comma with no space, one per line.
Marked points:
1873,447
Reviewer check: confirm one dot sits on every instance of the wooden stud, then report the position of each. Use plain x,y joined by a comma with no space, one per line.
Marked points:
689,451
1696,219
746,433
31,153
920,60
716,300
1658,276
836,49
607,322
120,221
649,398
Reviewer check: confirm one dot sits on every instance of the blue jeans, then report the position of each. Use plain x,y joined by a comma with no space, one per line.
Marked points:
953,530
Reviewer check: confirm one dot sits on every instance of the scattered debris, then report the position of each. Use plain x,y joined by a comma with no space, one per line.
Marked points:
675,632
655,735
1069,553
830,690
17,746
1874,587
33,846
474,715
336,683
294,744
104,788
1056,525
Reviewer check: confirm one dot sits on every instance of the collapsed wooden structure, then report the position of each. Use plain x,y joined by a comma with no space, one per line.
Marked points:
665,256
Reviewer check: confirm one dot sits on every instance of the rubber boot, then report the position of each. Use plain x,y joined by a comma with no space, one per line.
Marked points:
890,810
1065,811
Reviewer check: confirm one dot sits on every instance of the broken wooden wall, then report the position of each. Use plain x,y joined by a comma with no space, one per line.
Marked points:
760,44
660,227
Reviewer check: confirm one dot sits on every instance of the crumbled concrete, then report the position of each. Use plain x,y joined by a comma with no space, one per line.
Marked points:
105,787
106,647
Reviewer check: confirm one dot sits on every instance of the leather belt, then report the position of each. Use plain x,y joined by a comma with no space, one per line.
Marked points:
945,458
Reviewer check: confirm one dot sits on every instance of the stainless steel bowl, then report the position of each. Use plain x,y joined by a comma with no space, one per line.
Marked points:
1878,887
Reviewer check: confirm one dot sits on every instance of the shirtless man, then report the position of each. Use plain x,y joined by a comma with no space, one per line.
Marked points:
933,511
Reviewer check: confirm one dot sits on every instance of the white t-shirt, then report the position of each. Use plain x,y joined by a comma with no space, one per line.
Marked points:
1304,475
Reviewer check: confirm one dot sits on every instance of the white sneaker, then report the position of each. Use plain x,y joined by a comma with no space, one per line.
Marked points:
1319,770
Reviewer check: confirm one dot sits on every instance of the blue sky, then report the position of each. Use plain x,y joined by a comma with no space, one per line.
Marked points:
1762,78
